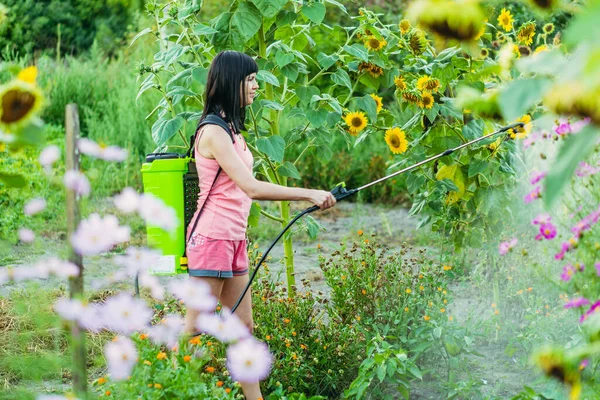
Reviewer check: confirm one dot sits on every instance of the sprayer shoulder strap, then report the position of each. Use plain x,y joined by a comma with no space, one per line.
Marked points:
211,119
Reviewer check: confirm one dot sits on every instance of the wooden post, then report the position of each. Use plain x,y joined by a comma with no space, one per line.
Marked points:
75,283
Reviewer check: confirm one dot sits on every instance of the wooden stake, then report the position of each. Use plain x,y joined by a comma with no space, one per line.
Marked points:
75,283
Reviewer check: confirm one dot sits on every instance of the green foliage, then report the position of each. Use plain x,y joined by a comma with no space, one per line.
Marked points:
68,25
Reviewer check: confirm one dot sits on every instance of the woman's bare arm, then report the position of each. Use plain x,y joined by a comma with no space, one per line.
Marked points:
216,142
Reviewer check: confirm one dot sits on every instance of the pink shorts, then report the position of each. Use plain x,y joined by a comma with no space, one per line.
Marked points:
216,258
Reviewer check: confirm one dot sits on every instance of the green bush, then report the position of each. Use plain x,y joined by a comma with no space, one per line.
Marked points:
69,25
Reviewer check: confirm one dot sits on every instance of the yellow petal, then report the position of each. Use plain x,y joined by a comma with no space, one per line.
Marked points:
28,75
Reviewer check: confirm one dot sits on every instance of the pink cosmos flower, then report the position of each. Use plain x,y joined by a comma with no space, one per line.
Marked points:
533,195
157,291
565,247
137,259
579,125
597,265
106,153
128,201
49,156
577,302
92,318
505,247
26,235
541,219
226,327
568,272
69,309
194,293
121,355
77,182
57,267
97,234
547,231
584,364
563,127
124,314
584,169
592,310
34,206
537,176
155,212
249,361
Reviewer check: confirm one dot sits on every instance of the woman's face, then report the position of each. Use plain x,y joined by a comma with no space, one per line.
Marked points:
251,88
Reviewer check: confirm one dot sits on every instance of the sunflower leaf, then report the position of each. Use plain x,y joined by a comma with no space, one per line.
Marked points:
314,12
369,105
341,77
272,146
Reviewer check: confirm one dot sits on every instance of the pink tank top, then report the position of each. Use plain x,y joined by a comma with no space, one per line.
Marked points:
225,212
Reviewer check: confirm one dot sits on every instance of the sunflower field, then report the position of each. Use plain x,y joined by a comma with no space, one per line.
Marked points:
471,273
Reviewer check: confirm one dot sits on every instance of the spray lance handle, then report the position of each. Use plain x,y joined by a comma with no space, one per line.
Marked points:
339,192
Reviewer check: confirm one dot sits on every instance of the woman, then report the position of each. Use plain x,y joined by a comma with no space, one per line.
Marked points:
217,247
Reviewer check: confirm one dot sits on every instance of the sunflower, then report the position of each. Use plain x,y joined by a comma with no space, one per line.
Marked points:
516,51
410,97
372,43
548,28
484,53
481,32
375,71
544,4
19,103
505,20
541,48
356,121
526,33
399,82
404,26
378,101
28,75
427,100
432,85
417,42
421,82
396,140
521,133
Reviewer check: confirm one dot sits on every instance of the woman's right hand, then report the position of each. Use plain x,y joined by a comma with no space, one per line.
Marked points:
321,198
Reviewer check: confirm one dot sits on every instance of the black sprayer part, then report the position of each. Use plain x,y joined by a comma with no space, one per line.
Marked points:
340,193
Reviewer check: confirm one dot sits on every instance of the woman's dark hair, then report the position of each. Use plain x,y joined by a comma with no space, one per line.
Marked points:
228,71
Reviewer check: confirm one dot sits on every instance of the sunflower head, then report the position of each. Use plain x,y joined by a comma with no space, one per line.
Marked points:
427,100
399,82
396,140
521,132
524,51
378,101
432,85
410,97
417,42
544,4
375,70
404,26
484,53
548,28
19,103
373,43
505,20
421,82
526,33
28,75
356,121
540,49
447,19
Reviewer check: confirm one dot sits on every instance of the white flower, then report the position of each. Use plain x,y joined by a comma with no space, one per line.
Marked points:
54,397
34,206
128,201
124,314
249,361
69,309
92,318
155,212
26,273
26,235
227,327
107,153
58,267
157,291
167,331
121,355
96,235
49,156
137,259
194,293
77,182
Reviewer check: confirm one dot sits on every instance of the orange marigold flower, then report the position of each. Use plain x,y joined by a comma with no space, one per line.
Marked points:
363,291
195,340
187,358
101,381
294,333
210,370
219,383
107,393
268,337
450,318
161,355
158,386
426,318
360,232
447,268
147,362
143,336
406,309
227,390
529,289
442,310
408,291
287,320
